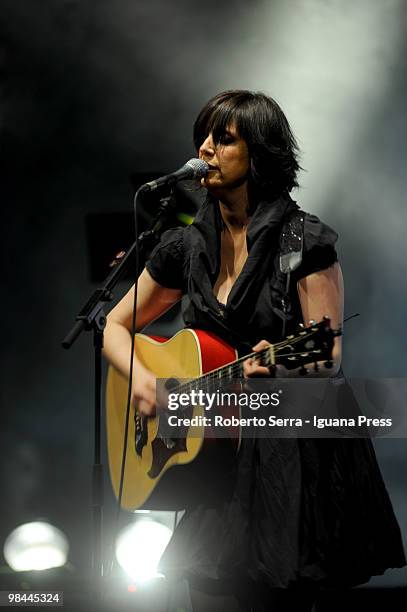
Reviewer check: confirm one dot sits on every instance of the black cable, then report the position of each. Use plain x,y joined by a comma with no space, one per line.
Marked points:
129,389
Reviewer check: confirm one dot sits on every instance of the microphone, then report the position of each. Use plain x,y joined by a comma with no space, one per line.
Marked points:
193,169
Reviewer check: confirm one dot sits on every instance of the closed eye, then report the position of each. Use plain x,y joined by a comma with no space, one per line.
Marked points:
227,139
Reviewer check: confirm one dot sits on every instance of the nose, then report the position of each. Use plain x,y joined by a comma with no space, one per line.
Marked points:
207,148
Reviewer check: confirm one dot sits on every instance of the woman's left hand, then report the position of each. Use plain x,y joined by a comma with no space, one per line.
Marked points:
252,368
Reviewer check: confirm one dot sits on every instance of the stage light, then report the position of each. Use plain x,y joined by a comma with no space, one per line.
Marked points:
139,547
35,546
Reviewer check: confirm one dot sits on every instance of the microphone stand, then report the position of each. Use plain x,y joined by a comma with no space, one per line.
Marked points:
92,317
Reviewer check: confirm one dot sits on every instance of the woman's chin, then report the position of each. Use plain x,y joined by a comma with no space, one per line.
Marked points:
212,184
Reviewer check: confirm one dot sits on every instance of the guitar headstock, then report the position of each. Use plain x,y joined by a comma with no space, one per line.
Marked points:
310,345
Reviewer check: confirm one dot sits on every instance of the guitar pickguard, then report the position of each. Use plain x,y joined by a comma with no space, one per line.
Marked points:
164,445
161,454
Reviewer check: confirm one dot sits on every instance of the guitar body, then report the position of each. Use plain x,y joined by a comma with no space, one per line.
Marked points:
184,466
187,355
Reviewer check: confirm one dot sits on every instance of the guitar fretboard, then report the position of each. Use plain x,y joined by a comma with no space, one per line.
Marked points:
309,346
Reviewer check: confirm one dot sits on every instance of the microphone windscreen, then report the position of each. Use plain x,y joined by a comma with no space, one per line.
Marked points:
199,166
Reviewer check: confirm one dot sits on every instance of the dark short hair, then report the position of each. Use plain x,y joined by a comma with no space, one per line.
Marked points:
260,121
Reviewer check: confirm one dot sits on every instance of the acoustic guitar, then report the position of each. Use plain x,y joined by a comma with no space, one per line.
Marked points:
161,472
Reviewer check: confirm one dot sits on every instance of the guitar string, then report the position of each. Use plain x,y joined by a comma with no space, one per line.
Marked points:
206,380
235,367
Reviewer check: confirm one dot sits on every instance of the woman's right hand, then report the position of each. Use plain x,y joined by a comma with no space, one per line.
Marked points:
143,395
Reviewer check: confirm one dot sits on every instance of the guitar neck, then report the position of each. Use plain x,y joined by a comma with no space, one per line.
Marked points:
311,345
228,372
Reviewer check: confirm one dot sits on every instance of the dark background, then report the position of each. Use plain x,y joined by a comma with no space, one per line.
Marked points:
94,91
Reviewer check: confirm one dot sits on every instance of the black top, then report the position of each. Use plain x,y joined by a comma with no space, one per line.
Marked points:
291,510
189,259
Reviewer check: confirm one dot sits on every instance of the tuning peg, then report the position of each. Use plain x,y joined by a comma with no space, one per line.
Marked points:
316,367
302,329
312,322
303,371
329,364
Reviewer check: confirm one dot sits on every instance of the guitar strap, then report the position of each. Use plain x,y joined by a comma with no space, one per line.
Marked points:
291,248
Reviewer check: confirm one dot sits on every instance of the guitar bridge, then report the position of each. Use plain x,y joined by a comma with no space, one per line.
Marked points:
169,442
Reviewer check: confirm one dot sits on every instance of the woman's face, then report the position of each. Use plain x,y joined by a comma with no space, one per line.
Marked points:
229,161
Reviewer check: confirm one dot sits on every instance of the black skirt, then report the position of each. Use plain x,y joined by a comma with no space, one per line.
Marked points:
290,513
